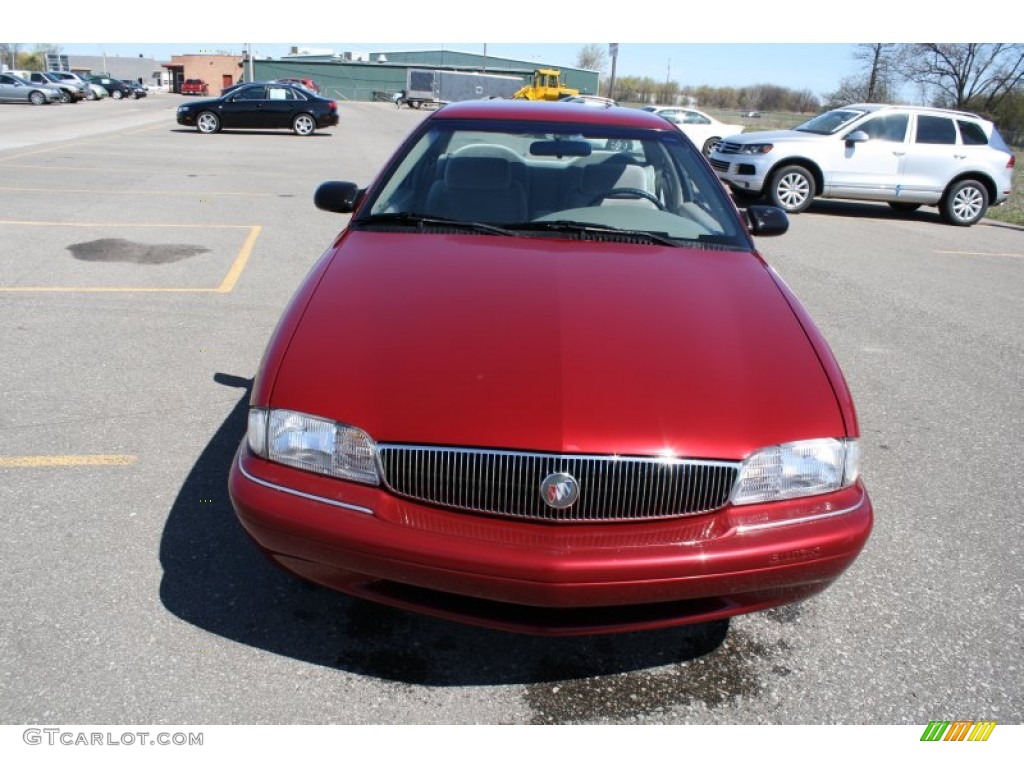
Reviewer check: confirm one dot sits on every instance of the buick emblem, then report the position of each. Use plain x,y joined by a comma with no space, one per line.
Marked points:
559,490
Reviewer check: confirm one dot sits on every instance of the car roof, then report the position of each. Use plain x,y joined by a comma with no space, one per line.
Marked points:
549,112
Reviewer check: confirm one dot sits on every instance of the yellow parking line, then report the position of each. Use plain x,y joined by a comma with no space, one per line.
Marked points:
226,285
94,460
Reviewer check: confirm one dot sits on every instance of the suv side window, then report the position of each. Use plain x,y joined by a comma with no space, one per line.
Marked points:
935,130
971,133
886,128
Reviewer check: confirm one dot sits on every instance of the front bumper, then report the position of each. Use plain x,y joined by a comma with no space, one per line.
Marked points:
747,173
542,578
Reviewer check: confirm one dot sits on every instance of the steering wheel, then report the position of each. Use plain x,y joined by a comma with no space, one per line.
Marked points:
628,192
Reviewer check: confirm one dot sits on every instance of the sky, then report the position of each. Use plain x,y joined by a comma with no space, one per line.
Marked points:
798,44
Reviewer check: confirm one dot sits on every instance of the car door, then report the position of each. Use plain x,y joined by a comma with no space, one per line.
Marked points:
280,105
10,91
871,169
935,156
244,108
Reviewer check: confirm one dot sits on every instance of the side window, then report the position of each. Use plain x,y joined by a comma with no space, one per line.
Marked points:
935,130
971,133
886,128
252,94
693,118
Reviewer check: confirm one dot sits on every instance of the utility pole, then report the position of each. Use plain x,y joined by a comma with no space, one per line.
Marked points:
613,51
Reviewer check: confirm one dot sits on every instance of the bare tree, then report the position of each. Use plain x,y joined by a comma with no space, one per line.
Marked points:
879,60
592,56
966,75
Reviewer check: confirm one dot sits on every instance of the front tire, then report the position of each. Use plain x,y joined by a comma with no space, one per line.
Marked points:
303,125
207,122
117,95
965,203
37,97
710,144
792,189
65,97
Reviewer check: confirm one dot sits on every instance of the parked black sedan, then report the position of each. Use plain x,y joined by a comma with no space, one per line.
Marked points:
261,105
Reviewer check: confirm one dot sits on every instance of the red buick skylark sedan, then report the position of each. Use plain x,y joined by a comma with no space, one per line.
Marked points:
544,382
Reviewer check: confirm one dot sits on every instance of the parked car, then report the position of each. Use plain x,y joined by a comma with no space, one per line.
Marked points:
305,82
16,89
261,105
91,91
195,87
546,386
904,155
589,100
136,90
701,128
70,91
116,88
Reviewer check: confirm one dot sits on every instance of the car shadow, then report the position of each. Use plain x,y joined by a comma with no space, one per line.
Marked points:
215,578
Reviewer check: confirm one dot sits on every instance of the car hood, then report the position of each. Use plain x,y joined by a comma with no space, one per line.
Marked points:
555,345
777,137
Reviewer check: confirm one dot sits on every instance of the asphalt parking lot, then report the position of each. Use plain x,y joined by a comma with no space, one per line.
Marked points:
143,268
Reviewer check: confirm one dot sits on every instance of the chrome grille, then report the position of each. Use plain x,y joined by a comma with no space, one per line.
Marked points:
508,483
720,165
728,148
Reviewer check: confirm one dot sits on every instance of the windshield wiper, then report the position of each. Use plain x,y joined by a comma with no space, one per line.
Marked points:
575,227
421,222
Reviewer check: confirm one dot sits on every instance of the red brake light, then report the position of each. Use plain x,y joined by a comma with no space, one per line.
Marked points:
1011,162
334,105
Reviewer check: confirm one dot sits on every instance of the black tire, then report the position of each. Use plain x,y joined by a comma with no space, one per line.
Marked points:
414,104
791,188
90,95
965,203
117,95
65,97
303,124
37,97
904,207
207,122
710,144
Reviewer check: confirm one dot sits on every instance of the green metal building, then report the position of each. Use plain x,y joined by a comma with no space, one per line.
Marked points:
385,72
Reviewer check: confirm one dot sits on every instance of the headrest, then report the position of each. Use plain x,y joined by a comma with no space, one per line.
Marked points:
478,173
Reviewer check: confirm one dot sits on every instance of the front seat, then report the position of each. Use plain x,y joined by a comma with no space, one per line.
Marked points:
478,189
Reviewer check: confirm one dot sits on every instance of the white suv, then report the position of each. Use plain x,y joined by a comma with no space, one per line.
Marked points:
905,156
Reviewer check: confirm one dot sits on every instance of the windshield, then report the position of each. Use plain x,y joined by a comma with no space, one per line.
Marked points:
830,122
557,180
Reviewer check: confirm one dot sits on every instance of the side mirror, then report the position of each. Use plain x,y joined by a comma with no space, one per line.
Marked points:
856,138
767,220
338,196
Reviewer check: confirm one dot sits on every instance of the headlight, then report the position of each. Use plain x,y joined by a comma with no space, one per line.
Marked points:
755,149
313,444
804,468
183,109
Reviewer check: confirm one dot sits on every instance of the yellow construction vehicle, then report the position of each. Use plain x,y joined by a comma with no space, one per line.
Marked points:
547,85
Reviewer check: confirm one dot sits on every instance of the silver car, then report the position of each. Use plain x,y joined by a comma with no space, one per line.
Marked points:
70,92
903,155
13,88
93,92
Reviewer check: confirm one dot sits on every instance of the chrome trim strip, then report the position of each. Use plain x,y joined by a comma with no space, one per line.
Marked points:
797,520
300,494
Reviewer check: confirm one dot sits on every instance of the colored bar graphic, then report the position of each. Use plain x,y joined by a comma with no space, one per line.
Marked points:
935,730
982,730
958,730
